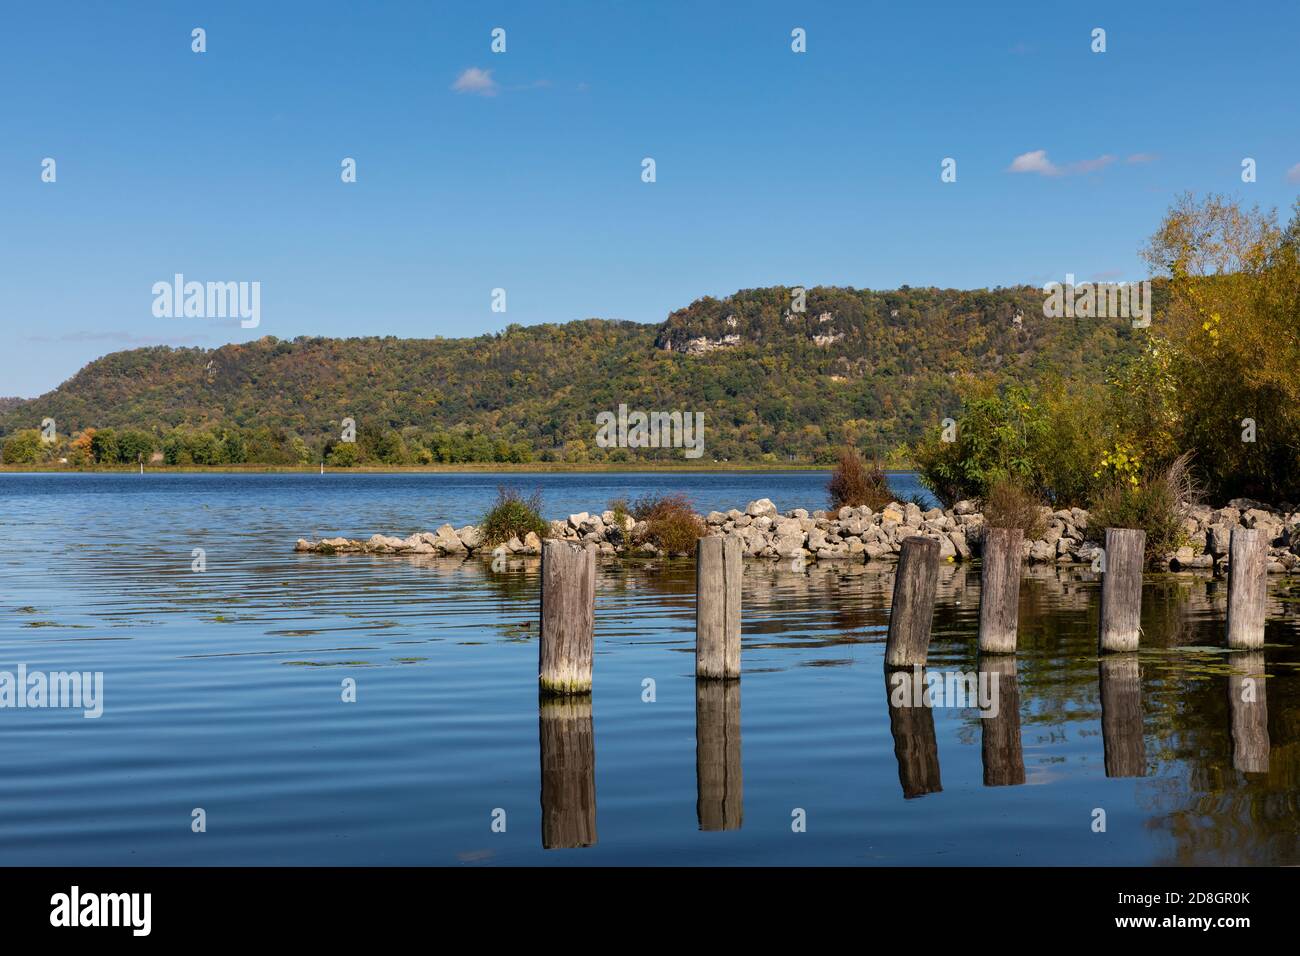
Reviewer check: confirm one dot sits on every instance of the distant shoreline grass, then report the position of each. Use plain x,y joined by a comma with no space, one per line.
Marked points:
493,468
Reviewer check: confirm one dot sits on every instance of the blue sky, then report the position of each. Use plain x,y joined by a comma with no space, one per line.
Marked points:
772,167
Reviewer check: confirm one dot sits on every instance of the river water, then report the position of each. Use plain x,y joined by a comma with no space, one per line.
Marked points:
223,692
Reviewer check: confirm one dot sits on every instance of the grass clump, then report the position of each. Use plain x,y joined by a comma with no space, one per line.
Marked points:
1156,505
1009,504
670,523
622,511
854,483
513,516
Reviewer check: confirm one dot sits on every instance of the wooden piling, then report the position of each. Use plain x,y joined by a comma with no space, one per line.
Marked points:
1121,589
912,609
1123,742
1247,588
719,782
718,570
1000,590
568,618
1248,704
568,753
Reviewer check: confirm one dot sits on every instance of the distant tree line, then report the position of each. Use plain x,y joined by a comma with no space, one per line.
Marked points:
261,445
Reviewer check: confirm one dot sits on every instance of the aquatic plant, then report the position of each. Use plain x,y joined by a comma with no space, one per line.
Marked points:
513,516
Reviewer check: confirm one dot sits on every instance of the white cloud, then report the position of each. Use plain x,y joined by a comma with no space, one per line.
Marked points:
1142,158
1036,161
474,80
1293,174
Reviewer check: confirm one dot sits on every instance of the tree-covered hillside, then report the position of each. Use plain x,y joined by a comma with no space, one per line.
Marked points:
866,368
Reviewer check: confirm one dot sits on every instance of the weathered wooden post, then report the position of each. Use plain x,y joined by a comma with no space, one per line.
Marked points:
1000,590
719,783
1001,751
568,618
1248,704
1122,737
1121,589
912,609
718,570
1247,588
568,751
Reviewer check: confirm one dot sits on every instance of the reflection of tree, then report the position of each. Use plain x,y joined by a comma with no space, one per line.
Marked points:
1215,811
1177,710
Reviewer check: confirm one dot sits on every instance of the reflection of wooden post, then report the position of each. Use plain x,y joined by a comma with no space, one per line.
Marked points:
912,726
1121,589
720,786
1121,717
1000,590
1249,706
1000,748
912,609
1247,588
568,618
568,773
718,570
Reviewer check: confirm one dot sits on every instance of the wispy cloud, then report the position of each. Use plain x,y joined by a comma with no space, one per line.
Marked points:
1141,158
1293,174
482,83
1090,165
476,81
1036,162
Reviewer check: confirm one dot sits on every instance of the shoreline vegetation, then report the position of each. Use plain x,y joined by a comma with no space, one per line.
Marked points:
863,524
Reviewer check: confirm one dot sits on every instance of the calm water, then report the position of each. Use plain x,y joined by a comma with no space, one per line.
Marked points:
222,691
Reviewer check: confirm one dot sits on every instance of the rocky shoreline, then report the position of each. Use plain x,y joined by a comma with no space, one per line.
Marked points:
859,535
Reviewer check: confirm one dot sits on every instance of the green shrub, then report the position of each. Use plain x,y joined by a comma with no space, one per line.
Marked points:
344,455
854,483
23,447
671,523
993,440
1046,440
513,516
103,446
134,446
